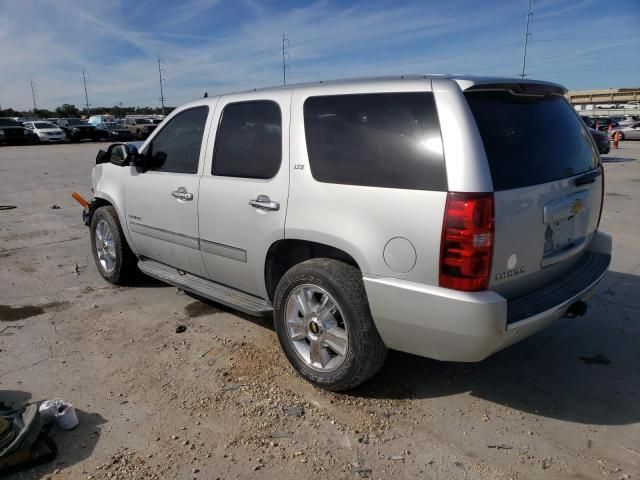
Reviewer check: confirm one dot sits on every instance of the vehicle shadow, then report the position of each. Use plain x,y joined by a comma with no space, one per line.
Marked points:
616,159
560,373
205,306
73,446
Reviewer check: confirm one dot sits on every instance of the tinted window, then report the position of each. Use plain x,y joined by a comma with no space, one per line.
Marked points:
176,148
531,140
380,140
249,141
7,122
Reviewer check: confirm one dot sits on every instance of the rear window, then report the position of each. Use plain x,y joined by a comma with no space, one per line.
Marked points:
531,140
387,140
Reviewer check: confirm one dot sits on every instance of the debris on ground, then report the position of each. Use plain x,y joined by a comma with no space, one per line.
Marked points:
364,472
293,410
60,411
181,328
598,359
55,207
500,446
7,207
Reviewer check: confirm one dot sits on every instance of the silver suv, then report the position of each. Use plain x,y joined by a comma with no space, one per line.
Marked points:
443,216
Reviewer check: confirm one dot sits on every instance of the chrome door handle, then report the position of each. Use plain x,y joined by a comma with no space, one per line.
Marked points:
182,194
263,202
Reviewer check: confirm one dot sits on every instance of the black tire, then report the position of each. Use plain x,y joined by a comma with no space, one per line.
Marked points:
126,263
365,354
621,136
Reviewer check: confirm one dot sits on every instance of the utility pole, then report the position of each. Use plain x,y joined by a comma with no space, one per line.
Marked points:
160,70
33,95
86,95
285,58
526,41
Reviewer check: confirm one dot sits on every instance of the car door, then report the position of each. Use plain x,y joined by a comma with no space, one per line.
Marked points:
244,188
633,132
161,203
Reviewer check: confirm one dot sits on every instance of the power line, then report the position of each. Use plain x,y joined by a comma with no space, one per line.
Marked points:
33,95
526,41
86,95
285,59
160,70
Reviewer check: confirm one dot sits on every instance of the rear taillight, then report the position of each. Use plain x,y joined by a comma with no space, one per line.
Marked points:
467,241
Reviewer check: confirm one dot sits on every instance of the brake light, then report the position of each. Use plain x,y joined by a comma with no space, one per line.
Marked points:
467,241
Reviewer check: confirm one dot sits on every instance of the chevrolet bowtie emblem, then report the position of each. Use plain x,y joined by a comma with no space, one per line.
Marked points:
576,207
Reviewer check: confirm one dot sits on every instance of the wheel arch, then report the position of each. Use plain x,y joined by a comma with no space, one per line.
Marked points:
286,253
101,199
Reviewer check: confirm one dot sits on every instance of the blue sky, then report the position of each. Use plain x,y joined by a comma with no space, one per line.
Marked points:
226,45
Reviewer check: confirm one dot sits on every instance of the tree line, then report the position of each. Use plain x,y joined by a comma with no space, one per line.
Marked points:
67,110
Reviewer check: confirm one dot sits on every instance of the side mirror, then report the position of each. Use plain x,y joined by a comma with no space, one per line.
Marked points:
123,154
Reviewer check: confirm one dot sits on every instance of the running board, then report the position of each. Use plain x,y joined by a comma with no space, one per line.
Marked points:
206,288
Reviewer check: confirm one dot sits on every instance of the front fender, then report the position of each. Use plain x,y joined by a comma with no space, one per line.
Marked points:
109,183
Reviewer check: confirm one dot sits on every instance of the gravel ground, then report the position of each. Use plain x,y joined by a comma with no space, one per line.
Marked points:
220,401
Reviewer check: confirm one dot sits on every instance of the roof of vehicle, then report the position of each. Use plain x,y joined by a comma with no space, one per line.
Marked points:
465,81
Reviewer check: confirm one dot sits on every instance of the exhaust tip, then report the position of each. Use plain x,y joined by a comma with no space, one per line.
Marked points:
577,309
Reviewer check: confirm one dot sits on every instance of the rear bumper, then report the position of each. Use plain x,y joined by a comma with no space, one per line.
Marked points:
458,326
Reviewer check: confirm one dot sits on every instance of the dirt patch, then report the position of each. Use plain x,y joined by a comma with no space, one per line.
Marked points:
200,309
13,314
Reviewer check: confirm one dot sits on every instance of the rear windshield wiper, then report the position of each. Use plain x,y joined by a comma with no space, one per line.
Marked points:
588,177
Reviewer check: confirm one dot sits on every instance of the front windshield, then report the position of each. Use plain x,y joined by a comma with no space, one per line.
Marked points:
142,121
44,125
76,121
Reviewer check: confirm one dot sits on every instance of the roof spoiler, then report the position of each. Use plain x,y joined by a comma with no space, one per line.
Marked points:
522,88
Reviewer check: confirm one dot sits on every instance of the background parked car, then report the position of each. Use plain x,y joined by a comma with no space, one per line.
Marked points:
632,132
602,123
14,133
46,131
601,139
140,127
77,129
112,131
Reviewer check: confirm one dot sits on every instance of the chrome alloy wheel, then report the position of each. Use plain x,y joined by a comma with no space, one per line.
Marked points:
105,246
316,328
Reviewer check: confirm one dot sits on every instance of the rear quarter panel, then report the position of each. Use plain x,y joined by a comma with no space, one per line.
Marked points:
361,220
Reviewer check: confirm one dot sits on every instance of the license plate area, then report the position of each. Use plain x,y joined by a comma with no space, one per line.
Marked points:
566,220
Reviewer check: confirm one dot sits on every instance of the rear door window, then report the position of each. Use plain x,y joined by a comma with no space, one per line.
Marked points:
529,139
249,140
387,140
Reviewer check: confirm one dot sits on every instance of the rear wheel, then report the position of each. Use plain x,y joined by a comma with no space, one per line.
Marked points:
324,324
113,257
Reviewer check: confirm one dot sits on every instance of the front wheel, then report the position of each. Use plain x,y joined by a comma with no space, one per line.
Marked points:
324,325
113,257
